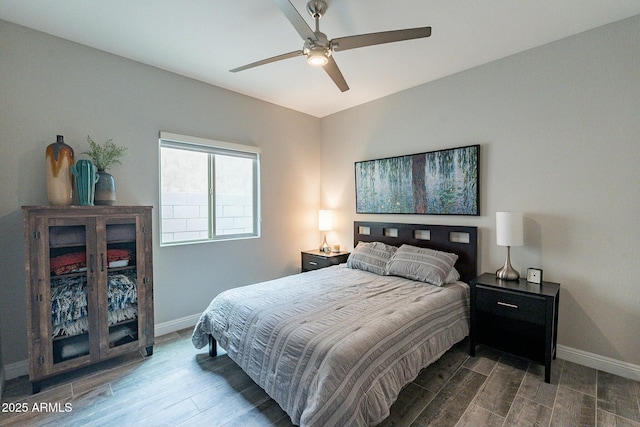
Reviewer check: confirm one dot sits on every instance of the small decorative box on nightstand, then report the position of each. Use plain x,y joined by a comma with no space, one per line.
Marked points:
517,317
315,260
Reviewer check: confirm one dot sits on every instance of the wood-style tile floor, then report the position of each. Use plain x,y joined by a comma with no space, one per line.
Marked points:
180,385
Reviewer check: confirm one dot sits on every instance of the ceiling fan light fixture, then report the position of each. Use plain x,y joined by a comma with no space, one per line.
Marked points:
318,49
318,56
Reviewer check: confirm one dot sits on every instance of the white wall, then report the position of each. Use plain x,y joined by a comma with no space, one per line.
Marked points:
49,86
559,128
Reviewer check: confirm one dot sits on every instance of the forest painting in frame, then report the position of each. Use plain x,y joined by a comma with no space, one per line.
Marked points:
444,182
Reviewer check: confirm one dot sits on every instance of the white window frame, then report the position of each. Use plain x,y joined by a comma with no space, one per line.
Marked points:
210,146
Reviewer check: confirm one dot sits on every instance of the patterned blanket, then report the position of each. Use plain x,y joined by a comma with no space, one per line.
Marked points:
69,302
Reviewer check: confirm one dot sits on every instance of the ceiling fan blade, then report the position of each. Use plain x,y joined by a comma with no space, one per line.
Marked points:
334,72
362,40
296,20
268,60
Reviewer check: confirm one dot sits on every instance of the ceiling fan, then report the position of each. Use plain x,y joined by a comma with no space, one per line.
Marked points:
318,49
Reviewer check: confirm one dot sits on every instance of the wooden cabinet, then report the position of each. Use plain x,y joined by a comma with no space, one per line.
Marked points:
89,281
515,316
315,260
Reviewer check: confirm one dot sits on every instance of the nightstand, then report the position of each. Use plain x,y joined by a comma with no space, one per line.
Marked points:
517,317
315,260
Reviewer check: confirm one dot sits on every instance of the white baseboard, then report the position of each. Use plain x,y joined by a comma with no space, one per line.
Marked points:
602,363
176,325
18,369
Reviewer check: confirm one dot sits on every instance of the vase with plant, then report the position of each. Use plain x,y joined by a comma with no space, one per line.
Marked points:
104,156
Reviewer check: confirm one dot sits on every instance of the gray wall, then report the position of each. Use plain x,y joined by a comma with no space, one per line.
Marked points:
559,128
50,86
2,374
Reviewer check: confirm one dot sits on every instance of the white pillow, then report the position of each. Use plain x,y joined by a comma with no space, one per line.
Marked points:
422,264
453,276
371,256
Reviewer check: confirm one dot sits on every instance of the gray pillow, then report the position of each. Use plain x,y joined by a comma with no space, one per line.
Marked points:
422,264
371,256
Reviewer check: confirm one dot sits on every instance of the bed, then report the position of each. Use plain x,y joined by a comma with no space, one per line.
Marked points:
335,346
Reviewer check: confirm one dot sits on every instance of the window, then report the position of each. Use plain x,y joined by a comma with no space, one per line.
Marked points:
209,190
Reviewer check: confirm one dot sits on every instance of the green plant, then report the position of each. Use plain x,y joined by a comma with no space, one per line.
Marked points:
105,155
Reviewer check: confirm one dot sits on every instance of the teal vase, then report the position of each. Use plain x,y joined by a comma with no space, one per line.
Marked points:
105,189
86,178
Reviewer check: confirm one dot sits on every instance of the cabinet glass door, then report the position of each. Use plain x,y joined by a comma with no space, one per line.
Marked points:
70,270
119,262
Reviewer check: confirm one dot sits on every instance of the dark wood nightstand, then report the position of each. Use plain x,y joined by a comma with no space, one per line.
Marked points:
315,260
517,317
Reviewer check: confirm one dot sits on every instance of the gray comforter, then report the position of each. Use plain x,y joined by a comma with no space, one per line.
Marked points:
334,347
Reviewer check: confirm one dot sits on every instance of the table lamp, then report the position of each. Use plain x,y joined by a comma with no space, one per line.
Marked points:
509,232
324,224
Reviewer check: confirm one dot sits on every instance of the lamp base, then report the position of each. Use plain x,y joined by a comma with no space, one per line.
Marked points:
507,272
324,247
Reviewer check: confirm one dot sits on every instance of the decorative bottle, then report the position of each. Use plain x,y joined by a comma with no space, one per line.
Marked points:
59,160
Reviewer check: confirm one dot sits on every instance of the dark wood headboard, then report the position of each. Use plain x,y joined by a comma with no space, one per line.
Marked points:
461,240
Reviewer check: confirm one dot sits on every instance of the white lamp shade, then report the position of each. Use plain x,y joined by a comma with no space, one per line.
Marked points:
509,229
324,220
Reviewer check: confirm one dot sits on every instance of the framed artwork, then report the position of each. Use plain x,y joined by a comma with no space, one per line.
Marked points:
443,182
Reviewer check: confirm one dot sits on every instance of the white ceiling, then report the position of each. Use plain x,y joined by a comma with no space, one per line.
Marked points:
204,39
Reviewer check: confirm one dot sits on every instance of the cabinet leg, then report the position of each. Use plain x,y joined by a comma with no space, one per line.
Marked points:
149,350
547,372
36,386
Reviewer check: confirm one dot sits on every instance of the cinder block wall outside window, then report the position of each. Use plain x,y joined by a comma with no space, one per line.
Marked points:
185,215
